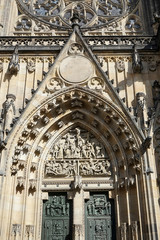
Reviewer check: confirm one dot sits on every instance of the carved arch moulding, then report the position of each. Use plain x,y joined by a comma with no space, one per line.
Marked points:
109,139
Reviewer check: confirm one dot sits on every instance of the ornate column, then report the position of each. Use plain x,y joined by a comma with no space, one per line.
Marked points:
78,196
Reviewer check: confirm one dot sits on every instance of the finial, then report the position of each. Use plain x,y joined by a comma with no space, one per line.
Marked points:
75,20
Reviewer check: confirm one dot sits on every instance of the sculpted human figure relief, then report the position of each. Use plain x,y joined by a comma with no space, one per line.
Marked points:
8,111
77,152
14,62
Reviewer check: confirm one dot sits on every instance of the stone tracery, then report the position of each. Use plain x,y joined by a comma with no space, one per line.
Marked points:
59,12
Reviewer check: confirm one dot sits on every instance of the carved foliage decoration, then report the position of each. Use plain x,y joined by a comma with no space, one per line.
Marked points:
96,83
53,84
75,48
23,24
92,14
1,66
78,153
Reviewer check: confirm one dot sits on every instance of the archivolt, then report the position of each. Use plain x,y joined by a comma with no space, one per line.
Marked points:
53,117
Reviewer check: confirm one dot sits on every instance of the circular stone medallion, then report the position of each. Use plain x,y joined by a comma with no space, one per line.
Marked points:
76,69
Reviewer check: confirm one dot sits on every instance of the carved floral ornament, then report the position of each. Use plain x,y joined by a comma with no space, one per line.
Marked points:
53,85
58,13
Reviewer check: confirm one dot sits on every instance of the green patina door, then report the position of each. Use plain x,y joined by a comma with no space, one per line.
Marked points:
57,217
99,217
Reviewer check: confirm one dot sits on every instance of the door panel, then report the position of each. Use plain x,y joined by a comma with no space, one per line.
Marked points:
99,217
57,218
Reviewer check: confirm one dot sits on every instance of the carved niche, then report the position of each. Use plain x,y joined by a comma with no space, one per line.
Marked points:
77,153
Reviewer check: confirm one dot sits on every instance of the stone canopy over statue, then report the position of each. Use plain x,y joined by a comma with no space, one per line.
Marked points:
78,152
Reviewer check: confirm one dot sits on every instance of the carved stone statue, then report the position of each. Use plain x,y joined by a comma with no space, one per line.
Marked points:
77,152
136,61
14,62
2,142
141,111
8,111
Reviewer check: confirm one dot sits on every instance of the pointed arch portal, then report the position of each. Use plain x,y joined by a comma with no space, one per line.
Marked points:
73,159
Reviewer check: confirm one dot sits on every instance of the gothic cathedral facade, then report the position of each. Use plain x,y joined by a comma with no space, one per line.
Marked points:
79,120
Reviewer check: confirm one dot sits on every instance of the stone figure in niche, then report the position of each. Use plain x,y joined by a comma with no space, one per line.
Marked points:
136,61
2,142
8,111
14,62
141,111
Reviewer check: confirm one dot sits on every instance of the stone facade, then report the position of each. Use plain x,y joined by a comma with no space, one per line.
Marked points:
79,120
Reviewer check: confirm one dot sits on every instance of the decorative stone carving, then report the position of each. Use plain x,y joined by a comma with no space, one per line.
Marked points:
153,66
77,231
76,103
14,169
78,152
30,231
145,144
45,120
53,85
20,182
2,142
156,93
131,180
60,168
75,48
141,111
91,167
121,182
120,65
23,24
31,66
124,229
115,147
8,111
32,184
94,14
96,83
14,62
133,24
39,27
1,66
136,61
77,183
134,228
16,229
77,115
60,124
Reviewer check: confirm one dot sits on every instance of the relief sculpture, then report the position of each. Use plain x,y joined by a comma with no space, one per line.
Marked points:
57,207
77,153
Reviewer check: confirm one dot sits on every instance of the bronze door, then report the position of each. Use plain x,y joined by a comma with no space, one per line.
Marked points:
99,217
57,217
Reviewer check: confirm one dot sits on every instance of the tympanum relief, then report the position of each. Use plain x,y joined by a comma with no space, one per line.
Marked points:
77,153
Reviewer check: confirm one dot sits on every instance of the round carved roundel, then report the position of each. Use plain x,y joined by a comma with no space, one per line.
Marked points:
93,14
72,65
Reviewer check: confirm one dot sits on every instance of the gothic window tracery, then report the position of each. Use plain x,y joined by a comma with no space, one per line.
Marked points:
93,14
